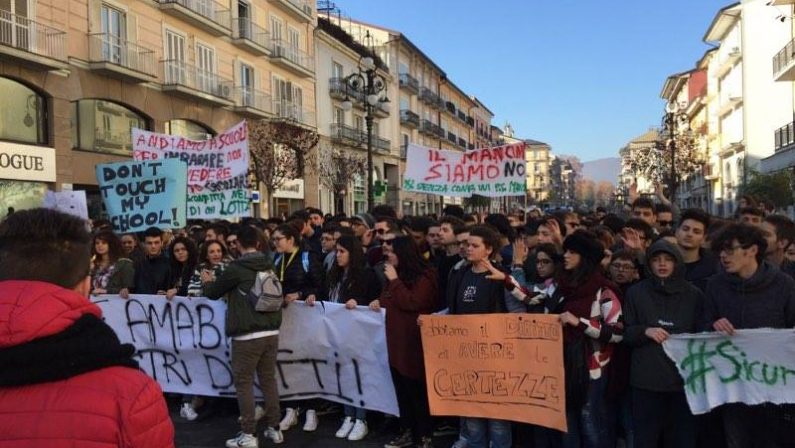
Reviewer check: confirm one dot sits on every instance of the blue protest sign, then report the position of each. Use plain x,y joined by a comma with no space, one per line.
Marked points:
139,195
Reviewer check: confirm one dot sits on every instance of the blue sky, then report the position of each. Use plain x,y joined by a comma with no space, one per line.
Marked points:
582,75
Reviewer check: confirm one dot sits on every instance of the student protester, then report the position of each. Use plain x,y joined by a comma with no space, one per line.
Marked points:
184,258
255,338
316,218
214,259
111,272
328,245
411,290
449,257
153,272
700,263
751,216
310,235
789,253
663,304
60,363
418,229
131,247
231,242
504,253
665,217
529,295
351,282
217,232
644,209
779,232
623,270
748,293
433,239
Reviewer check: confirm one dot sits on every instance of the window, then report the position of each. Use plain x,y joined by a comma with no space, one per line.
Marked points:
24,117
403,68
336,71
205,63
104,126
376,130
358,122
293,38
405,103
15,32
276,28
244,22
175,58
247,84
339,115
114,30
189,129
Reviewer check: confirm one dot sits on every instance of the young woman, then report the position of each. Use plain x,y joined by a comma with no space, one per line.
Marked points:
111,272
590,311
301,275
351,282
184,257
529,297
659,306
214,258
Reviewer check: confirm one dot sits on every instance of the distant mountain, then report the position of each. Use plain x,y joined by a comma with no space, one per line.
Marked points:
606,169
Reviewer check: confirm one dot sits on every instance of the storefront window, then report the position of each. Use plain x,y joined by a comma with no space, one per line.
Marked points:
24,115
189,129
104,126
359,195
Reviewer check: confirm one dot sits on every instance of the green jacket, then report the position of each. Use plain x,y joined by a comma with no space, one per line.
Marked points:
122,277
235,282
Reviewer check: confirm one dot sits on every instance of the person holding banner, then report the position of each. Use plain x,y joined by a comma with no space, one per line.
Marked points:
153,271
111,272
214,259
184,257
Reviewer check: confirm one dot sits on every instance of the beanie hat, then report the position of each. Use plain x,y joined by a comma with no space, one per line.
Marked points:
586,244
366,219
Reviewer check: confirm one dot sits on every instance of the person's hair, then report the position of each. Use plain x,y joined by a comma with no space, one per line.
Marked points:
190,246
289,231
250,237
752,211
490,237
205,250
627,255
613,222
587,267
219,229
356,262
601,209
552,252
561,224
130,234
745,234
470,219
697,215
665,233
420,224
453,221
314,211
785,227
463,229
302,215
44,245
500,223
345,231
641,226
662,208
453,210
411,264
330,228
115,251
750,201
644,203
531,228
383,210
604,235
274,221
153,232
391,223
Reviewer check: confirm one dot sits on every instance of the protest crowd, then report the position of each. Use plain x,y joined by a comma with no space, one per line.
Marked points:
622,283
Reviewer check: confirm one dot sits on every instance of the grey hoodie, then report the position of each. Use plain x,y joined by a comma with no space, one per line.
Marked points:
672,304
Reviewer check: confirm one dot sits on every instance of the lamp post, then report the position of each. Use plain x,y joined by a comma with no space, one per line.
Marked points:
673,118
372,85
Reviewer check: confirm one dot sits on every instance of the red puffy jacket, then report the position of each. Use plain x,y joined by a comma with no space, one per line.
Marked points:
109,407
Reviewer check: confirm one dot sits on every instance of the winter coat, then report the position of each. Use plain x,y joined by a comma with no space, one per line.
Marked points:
363,289
404,303
490,299
297,279
236,282
123,276
766,300
672,304
153,274
92,397
699,272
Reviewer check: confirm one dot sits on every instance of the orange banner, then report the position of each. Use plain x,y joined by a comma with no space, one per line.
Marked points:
500,366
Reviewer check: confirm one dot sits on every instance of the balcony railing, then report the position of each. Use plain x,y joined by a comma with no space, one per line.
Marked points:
302,7
381,144
381,109
249,98
409,118
450,107
430,97
180,74
462,143
432,128
284,50
470,121
452,137
347,133
107,48
462,116
200,12
409,82
784,137
288,110
22,33
784,63
243,29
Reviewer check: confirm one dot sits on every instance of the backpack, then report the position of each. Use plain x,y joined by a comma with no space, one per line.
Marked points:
266,294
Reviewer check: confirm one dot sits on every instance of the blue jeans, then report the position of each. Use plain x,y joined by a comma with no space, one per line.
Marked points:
355,413
619,415
588,426
481,431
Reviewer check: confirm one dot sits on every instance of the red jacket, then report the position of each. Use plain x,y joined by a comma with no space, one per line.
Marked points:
110,407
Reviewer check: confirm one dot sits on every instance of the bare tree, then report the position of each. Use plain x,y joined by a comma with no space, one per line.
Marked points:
336,169
681,157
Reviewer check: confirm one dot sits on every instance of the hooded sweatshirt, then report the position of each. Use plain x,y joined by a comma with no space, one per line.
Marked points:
672,304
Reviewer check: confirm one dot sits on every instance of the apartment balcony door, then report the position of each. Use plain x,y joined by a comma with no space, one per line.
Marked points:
175,57
205,67
244,19
114,30
247,84
14,24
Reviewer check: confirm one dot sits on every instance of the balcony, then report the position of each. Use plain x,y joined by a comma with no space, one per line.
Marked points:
470,121
208,15
301,9
113,56
730,103
409,83
31,42
430,128
347,135
292,58
784,63
381,109
381,144
338,89
428,96
284,110
728,61
450,107
409,119
250,36
784,137
452,138
192,82
252,102
462,143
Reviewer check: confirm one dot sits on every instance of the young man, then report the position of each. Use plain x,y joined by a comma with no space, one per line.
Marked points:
643,208
362,225
231,243
665,217
316,218
449,227
60,363
749,293
328,243
153,271
434,240
310,236
779,232
700,264
255,338
623,269
217,232
751,215
418,229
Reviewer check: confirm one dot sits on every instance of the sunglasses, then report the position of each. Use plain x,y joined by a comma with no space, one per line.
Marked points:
387,242
665,223
381,231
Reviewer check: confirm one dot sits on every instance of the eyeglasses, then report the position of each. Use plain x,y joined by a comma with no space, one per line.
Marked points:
387,242
665,223
544,261
622,267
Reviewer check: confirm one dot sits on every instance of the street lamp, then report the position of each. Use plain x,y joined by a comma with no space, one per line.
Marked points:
672,120
374,87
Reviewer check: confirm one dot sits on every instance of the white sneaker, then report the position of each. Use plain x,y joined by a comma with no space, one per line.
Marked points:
290,419
345,429
187,412
275,435
242,440
311,421
358,432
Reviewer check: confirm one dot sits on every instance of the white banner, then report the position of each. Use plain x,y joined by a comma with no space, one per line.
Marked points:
217,169
325,351
492,172
752,367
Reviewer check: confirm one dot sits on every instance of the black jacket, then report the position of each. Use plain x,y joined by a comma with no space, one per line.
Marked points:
672,304
766,300
444,265
153,274
699,272
491,299
364,288
295,278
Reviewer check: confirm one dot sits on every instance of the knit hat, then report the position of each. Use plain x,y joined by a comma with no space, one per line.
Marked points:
366,219
586,244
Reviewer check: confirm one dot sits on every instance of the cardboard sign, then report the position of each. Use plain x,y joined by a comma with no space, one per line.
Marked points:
499,366
71,202
491,172
139,195
217,169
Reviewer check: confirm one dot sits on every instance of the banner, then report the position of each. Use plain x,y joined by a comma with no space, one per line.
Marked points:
325,351
139,195
751,367
71,202
500,366
217,169
492,172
